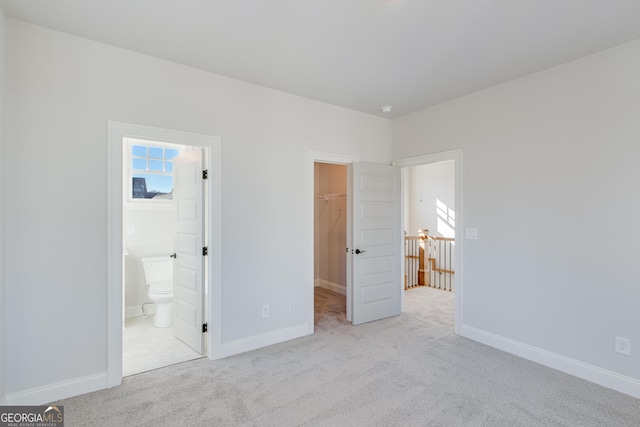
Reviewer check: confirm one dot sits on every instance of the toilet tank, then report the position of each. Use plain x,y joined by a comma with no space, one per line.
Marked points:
157,269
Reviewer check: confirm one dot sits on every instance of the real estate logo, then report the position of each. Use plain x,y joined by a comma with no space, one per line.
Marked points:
32,416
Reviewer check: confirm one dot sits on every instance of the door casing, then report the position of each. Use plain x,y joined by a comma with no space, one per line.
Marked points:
314,157
117,131
456,156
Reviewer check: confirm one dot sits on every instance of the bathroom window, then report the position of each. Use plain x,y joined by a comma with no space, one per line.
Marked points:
150,166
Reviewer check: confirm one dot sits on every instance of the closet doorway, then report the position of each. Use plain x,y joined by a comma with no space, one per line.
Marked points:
330,242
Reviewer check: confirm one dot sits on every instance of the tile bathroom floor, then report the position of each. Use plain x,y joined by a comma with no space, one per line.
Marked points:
145,347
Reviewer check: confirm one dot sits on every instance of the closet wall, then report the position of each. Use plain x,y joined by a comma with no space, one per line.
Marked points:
330,226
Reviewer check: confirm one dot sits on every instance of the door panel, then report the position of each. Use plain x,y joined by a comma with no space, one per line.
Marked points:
188,277
376,233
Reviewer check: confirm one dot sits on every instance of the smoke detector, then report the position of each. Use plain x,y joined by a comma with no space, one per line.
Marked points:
386,109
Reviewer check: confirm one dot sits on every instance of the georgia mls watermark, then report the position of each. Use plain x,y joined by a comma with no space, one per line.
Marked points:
32,416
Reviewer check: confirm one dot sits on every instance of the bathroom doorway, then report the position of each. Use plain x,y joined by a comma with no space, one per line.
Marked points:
211,255
151,238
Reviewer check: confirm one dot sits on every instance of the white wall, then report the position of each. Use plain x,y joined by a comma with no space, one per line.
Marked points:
550,179
2,208
61,91
331,227
153,231
431,199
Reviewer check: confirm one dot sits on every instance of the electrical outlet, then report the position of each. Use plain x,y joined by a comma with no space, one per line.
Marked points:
265,311
623,346
292,305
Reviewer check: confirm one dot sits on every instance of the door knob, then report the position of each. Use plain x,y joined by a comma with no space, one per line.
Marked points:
358,251
173,255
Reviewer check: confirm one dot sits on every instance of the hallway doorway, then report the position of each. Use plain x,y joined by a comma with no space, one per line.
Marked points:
446,216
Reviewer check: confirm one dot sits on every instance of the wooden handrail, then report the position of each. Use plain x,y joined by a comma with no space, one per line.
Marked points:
445,239
426,264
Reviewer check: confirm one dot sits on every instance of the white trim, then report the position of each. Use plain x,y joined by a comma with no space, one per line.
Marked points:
57,391
312,158
456,156
214,241
335,287
594,374
263,340
136,310
443,156
116,132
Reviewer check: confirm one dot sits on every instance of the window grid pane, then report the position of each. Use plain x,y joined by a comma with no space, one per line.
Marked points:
155,165
169,153
139,164
139,150
156,153
153,176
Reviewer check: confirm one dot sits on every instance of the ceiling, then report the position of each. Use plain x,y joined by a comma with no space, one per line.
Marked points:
359,54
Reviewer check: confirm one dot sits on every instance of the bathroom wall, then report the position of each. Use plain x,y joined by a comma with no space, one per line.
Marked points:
330,227
153,231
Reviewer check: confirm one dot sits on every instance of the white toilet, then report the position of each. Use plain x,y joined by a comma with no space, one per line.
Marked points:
158,275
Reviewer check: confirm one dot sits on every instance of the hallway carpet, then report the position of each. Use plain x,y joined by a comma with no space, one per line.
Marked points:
409,370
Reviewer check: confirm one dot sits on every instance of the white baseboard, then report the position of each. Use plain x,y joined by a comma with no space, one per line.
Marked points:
136,310
594,374
57,391
335,287
263,340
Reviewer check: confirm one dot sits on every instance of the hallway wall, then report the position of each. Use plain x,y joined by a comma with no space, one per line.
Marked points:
431,199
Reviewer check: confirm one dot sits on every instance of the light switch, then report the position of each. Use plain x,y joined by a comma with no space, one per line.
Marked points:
471,233
130,229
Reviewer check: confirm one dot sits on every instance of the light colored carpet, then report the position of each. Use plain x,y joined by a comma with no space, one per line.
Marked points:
409,370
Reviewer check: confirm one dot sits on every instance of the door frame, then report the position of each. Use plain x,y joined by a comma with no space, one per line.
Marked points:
115,266
314,157
456,157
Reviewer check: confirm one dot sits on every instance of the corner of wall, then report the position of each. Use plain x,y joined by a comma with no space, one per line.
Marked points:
2,185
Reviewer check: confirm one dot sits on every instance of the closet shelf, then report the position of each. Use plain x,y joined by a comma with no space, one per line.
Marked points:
331,196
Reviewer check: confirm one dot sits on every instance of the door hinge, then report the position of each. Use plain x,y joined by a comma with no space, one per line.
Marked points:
205,251
204,327
205,174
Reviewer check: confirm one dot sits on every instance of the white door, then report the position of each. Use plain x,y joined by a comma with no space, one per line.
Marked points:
188,267
375,249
